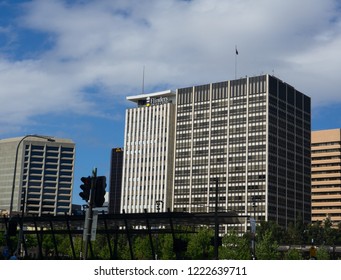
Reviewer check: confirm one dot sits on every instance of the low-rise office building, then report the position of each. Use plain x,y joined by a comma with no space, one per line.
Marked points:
36,175
326,175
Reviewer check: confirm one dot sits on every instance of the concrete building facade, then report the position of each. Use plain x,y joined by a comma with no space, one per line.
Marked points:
42,171
326,175
148,153
253,136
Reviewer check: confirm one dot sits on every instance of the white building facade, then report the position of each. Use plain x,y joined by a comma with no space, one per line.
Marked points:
148,153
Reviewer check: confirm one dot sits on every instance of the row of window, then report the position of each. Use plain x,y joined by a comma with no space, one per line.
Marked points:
50,148
257,85
326,151
332,143
338,178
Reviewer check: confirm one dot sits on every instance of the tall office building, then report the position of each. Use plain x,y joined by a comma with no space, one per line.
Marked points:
42,172
326,175
116,169
253,136
148,153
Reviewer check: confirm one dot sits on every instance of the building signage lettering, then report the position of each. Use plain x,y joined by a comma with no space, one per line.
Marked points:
157,101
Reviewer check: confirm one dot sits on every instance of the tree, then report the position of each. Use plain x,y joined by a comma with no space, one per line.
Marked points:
48,245
315,233
235,247
338,234
294,235
330,233
322,253
101,248
123,252
277,233
142,250
267,246
199,247
166,247
2,242
64,247
293,254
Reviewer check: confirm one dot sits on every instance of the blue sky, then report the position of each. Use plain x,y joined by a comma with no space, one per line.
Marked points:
66,67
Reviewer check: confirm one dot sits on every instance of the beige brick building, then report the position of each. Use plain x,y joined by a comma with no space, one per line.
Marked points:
326,175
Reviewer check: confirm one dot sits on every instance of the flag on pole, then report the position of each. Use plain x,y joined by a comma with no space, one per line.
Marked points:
235,63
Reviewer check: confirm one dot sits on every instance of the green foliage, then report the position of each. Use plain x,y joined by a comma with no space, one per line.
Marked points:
235,247
163,247
322,253
323,232
295,234
123,252
293,254
277,233
48,245
199,247
330,233
2,238
267,247
2,243
31,241
142,250
101,248
315,233
166,247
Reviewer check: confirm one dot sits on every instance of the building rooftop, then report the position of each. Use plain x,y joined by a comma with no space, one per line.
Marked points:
32,138
137,98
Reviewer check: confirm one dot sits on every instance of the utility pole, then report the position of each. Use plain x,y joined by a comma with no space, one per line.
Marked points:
89,215
216,225
253,228
159,204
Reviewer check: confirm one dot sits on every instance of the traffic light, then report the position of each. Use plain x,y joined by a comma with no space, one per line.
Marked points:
100,191
86,187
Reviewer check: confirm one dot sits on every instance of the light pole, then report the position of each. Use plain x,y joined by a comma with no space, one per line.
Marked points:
253,229
159,204
216,224
15,164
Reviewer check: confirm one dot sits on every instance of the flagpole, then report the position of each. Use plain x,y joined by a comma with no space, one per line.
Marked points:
235,64
235,67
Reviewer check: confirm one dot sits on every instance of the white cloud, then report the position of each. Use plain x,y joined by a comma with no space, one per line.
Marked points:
106,43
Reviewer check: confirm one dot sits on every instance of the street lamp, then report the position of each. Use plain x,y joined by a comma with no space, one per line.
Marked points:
216,225
253,228
15,164
159,204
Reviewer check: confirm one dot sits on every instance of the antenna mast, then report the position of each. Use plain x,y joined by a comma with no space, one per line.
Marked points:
143,80
235,62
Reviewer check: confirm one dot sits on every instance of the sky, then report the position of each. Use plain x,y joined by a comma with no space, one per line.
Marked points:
67,66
